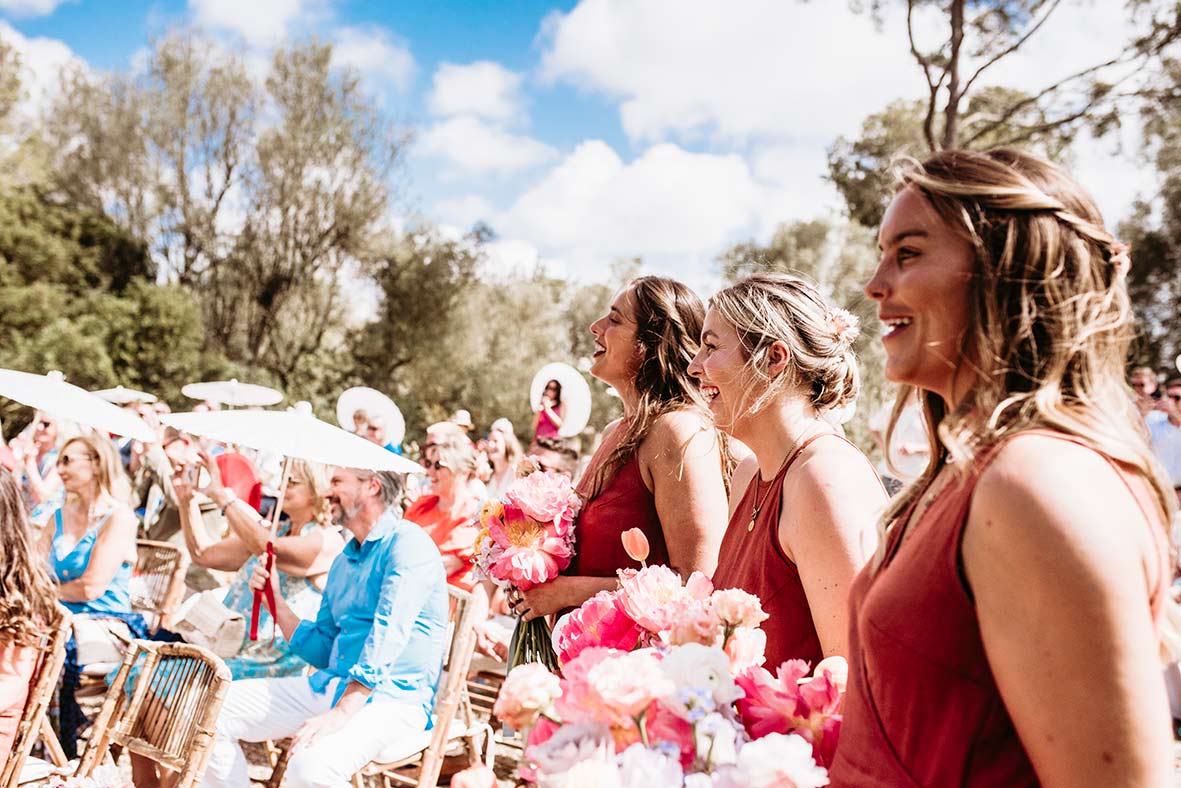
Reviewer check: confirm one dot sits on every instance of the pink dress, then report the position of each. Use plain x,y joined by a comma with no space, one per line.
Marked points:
545,426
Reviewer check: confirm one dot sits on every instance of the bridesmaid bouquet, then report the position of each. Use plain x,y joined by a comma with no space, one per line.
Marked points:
527,539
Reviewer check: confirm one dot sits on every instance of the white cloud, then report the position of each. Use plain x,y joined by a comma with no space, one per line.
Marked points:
668,201
474,147
258,22
30,7
464,211
483,89
42,63
375,54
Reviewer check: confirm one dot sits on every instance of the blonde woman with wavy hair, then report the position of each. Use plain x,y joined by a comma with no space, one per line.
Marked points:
1007,634
662,467
306,546
774,355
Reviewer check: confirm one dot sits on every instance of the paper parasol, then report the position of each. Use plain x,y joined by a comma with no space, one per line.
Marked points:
576,395
231,392
52,394
123,396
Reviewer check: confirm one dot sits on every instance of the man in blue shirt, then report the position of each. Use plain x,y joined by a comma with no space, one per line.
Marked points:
377,646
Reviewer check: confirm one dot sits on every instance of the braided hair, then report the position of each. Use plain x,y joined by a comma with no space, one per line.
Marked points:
1051,320
669,317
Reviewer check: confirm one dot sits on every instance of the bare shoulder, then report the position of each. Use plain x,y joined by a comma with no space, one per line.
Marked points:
1059,502
673,433
744,474
830,467
610,430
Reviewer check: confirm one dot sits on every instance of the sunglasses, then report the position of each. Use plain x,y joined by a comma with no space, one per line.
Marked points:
1174,397
45,425
65,460
434,466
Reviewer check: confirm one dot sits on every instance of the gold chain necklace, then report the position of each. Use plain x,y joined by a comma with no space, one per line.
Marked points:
758,480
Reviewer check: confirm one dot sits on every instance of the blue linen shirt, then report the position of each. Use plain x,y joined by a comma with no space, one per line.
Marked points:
383,617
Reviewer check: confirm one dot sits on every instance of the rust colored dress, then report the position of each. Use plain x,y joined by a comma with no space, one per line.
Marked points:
923,708
624,502
755,562
454,535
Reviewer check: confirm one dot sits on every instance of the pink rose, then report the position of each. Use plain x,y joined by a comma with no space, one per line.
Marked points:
736,608
600,621
546,497
746,649
528,691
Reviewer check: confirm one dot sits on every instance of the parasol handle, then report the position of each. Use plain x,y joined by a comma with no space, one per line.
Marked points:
269,590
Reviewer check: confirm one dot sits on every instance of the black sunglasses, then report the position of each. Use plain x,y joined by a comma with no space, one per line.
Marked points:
1174,397
65,459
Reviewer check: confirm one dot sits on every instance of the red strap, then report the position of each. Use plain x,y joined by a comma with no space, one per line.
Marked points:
269,592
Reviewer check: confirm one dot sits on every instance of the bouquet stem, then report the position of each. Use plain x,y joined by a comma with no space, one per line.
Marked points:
532,643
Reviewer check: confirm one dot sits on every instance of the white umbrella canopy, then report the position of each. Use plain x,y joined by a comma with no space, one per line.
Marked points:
576,395
295,433
233,393
52,394
374,403
123,396
1178,363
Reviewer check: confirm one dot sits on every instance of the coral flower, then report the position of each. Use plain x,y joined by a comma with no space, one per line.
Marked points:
636,545
533,552
600,621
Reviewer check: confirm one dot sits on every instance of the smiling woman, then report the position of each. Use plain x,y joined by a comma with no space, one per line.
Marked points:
1027,569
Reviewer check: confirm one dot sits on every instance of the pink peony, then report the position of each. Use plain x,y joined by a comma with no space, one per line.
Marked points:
784,704
837,668
600,621
629,683
737,608
746,648
664,726
649,597
568,746
699,587
580,700
694,622
528,691
529,553
547,497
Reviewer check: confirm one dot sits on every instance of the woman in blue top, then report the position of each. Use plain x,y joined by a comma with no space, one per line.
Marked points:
304,550
92,541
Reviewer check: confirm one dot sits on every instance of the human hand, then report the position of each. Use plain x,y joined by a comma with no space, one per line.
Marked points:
182,488
214,488
262,577
313,728
491,640
546,402
542,600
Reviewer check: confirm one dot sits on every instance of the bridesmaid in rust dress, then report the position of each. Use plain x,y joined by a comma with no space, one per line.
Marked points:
804,508
1008,632
663,467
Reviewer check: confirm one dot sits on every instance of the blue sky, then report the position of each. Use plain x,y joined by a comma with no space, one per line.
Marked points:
587,131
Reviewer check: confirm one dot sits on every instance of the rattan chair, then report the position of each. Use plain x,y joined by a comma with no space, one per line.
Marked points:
417,761
158,581
34,723
169,716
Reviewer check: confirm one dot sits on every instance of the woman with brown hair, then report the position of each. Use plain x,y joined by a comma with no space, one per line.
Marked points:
774,356
663,467
27,609
1007,633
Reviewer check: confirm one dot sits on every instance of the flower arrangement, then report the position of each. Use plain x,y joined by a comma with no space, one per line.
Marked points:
527,539
662,684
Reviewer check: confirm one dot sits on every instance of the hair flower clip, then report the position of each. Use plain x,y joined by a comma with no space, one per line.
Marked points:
1121,257
844,324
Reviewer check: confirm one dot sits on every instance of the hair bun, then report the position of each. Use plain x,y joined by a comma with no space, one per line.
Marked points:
844,324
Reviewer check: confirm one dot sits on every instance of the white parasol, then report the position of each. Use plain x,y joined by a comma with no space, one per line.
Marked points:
1178,363
576,395
52,394
295,433
124,396
233,393
374,403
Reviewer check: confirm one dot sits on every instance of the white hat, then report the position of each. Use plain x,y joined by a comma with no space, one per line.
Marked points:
462,418
502,424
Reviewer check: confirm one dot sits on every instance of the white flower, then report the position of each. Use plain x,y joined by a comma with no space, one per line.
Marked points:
716,741
595,773
570,746
640,767
702,677
778,760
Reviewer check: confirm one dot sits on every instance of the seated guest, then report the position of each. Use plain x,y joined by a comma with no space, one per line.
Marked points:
36,452
26,599
503,451
91,546
803,509
307,544
377,646
449,512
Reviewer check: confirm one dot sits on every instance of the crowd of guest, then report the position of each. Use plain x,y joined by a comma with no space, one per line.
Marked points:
980,547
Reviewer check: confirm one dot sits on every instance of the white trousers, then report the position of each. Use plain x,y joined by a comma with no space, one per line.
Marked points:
261,709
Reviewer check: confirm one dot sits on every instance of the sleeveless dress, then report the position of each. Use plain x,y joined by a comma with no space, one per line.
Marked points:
755,562
69,564
452,535
923,708
623,503
545,427
264,658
